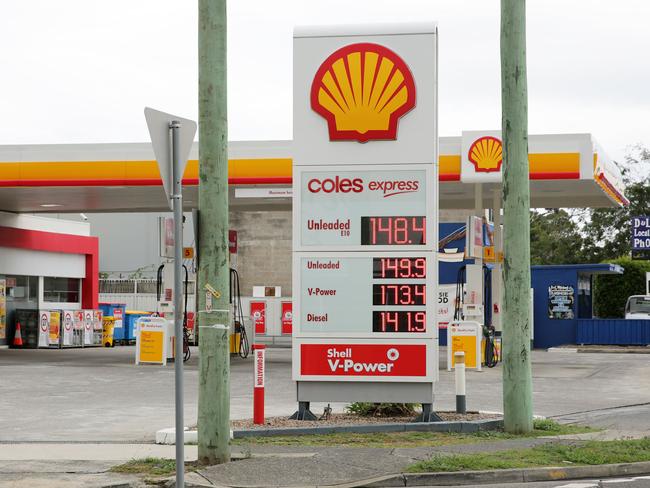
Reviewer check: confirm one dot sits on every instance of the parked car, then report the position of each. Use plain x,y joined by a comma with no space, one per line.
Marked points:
638,307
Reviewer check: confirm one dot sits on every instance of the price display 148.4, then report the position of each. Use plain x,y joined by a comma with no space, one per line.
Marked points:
393,231
399,321
399,294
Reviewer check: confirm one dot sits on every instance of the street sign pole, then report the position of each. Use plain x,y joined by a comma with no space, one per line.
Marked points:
177,200
163,129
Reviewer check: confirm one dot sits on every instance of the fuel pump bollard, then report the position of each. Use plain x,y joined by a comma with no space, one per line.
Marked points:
459,373
258,383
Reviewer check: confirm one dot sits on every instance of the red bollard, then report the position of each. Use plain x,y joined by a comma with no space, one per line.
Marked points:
258,384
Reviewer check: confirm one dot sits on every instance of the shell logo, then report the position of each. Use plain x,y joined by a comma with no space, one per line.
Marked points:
362,90
486,154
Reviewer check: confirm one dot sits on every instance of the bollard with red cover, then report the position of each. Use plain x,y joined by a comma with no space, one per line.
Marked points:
258,384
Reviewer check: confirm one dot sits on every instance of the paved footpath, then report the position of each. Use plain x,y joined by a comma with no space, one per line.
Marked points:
86,465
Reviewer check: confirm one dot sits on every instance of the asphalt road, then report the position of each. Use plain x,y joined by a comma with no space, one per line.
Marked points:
100,395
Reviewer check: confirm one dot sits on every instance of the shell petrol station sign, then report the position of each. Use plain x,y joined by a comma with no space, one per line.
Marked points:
365,204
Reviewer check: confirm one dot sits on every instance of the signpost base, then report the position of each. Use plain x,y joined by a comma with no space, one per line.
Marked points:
303,412
428,415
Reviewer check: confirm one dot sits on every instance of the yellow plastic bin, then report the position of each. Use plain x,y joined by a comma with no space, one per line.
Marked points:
108,326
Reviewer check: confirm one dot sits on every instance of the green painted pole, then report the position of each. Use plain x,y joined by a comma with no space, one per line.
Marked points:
213,255
517,374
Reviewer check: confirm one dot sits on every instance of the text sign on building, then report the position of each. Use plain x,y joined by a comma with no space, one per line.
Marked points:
641,233
365,208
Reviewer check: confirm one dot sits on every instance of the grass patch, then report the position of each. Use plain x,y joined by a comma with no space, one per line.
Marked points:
151,466
410,439
582,454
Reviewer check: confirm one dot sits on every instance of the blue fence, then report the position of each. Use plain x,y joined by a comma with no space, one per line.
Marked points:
613,331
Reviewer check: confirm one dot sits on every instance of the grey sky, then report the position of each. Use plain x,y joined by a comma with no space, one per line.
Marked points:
82,70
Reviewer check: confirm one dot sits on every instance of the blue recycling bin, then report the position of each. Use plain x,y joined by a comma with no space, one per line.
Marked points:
118,312
130,319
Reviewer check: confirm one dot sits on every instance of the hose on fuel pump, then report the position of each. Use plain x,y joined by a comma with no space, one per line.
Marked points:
238,313
489,332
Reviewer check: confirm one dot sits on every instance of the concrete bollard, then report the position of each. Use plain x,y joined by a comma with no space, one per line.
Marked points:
459,361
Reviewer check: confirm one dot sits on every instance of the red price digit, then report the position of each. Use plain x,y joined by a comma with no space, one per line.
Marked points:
401,230
420,292
404,268
405,297
420,268
390,320
418,224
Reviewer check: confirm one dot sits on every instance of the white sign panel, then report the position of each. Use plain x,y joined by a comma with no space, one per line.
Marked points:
373,94
365,295
481,156
353,208
365,206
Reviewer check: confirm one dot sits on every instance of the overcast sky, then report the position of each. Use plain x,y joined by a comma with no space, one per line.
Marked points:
82,70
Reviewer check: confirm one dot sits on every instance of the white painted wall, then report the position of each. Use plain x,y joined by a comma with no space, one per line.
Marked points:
15,261
44,224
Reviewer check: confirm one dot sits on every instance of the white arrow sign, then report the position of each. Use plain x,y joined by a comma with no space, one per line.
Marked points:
158,123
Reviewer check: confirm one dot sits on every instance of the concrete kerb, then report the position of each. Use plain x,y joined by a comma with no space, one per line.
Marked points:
455,427
167,436
524,475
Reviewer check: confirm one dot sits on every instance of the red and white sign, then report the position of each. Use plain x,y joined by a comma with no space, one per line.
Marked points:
258,315
259,366
258,384
363,360
117,315
232,241
287,317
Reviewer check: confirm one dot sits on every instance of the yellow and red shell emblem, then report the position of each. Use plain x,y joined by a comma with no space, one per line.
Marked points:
362,90
486,154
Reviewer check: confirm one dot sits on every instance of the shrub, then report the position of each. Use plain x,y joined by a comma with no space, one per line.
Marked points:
365,409
611,291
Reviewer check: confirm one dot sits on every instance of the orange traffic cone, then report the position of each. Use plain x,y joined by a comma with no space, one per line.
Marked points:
18,338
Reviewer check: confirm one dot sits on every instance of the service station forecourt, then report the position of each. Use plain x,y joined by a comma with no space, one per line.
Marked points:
365,215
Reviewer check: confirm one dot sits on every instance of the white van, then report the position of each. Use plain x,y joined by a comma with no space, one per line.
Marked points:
638,307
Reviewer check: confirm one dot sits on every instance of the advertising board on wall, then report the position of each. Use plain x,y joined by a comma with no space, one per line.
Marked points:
365,205
560,301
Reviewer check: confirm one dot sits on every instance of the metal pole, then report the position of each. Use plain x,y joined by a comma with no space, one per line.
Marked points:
517,374
177,199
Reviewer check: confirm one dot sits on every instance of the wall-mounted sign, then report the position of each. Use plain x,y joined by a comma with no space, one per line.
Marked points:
641,233
481,156
263,192
286,317
258,316
560,302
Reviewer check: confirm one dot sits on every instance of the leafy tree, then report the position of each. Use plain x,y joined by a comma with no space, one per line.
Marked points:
554,238
607,230
611,291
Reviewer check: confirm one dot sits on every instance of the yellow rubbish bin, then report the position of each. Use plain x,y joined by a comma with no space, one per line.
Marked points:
108,325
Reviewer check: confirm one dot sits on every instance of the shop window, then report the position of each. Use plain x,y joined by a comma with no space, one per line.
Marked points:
22,288
61,290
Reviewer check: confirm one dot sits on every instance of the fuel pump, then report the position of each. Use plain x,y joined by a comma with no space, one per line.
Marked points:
473,291
239,343
165,302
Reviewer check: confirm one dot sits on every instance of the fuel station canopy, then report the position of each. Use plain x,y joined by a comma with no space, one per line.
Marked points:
566,170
